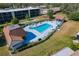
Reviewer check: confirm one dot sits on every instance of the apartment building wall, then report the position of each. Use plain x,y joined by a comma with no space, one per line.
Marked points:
19,14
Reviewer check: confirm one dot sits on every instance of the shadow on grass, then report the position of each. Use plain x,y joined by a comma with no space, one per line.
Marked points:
2,42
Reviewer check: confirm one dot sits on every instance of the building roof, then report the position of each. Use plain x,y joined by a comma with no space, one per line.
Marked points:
64,52
76,53
12,27
18,9
18,32
56,9
59,17
15,32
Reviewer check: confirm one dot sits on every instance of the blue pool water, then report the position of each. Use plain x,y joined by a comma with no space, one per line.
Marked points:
29,36
42,28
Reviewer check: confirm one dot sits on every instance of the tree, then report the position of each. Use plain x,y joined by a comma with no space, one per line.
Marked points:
68,8
27,17
74,16
50,14
15,21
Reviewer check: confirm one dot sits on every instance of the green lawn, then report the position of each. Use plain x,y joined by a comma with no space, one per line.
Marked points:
57,41
4,51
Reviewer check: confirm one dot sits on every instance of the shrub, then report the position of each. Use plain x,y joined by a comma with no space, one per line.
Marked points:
74,16
15,21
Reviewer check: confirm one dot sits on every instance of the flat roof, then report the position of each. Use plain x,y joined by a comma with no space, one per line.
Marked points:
12,27
18,9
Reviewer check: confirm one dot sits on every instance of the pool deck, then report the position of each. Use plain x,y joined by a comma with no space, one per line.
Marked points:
41,35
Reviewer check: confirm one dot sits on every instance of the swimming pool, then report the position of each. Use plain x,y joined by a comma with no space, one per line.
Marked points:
29,36
42,27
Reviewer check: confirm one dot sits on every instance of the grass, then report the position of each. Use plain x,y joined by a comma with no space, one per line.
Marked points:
4,51
59,40
56,42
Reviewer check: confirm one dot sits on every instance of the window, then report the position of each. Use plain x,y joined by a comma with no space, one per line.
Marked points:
21,14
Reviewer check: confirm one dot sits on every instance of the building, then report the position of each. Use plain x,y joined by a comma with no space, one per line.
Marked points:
14,36
20,13
76,53
67,52
64,52
54,9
